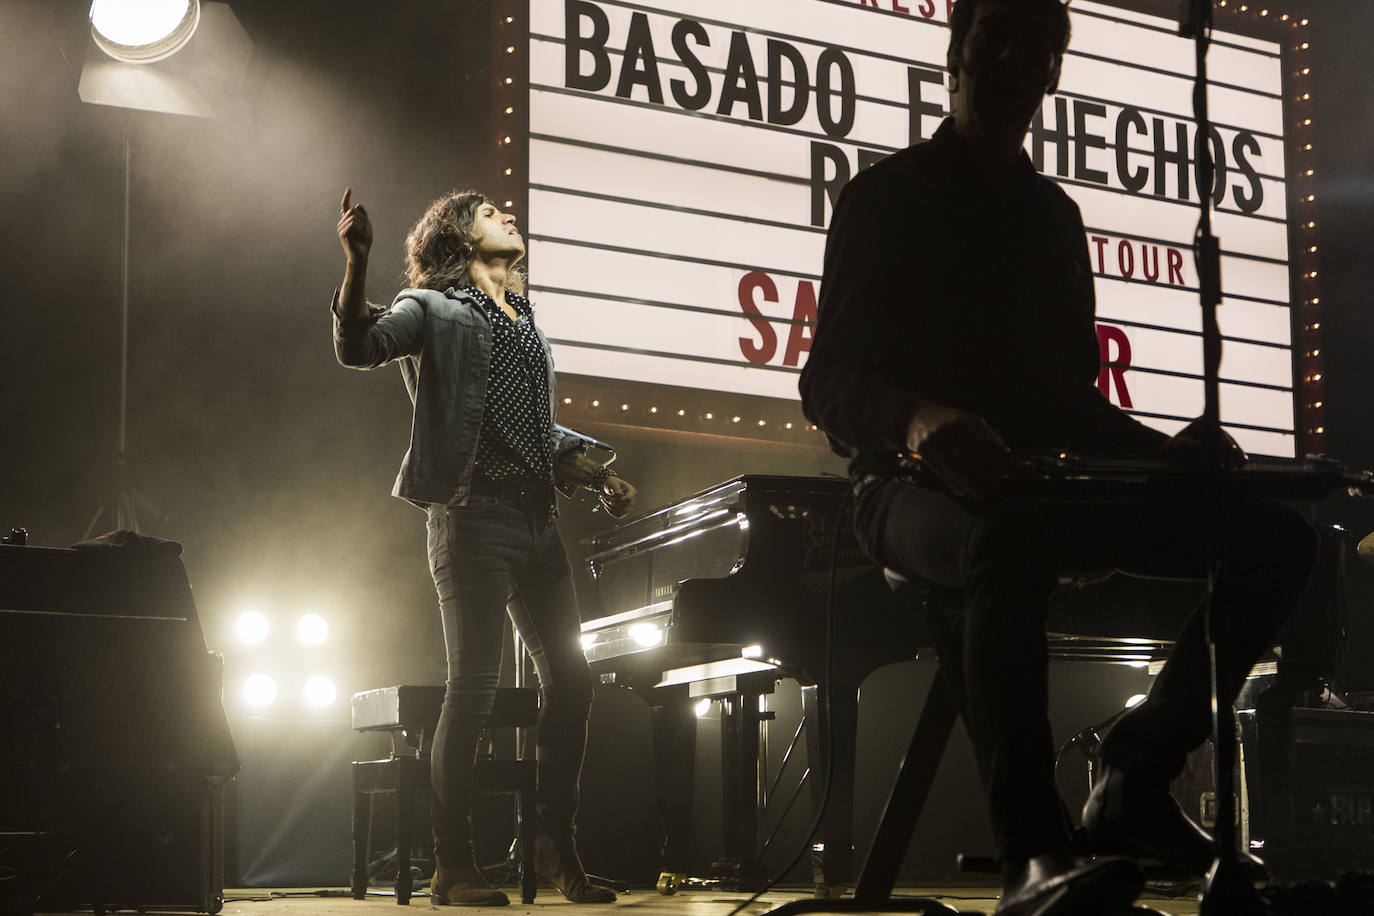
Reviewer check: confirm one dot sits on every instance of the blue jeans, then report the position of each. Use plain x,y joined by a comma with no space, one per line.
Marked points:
1006,557
491,558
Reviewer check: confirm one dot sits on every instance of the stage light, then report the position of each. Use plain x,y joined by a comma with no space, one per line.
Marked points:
703,707
251,627
259,690
143,31
1136,700
312,630
320,691
588,640
646,634
751,652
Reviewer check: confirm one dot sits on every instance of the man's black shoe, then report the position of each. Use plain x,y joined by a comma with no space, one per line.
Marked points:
1138,817
1061,885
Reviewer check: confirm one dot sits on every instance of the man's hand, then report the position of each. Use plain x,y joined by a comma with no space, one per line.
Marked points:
355,230
960,449
1197,441
617,496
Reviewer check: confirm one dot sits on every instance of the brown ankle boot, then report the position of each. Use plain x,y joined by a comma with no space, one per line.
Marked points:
463,885
557,862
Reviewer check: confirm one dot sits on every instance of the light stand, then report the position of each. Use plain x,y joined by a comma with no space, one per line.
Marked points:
1228,890
121,509
217,55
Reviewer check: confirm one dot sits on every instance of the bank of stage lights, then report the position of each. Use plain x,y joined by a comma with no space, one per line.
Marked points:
260,690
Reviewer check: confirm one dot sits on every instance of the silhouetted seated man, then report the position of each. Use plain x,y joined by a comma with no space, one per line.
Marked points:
957,325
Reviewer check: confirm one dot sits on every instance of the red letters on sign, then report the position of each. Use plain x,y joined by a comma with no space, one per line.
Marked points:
924,8
799,340
1124,265
762,350
1113,372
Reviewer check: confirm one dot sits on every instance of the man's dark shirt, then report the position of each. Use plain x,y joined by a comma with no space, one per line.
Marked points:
941,288
514,437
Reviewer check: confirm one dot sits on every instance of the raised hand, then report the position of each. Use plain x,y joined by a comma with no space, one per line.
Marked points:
355,230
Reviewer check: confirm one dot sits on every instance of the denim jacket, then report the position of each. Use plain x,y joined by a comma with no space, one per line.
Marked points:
443,343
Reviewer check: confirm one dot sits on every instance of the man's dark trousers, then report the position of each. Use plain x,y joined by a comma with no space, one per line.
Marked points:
1006,557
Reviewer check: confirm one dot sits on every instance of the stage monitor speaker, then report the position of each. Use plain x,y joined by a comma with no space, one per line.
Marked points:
114,745
1316,817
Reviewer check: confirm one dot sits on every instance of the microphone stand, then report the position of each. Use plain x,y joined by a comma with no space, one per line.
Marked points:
1228,890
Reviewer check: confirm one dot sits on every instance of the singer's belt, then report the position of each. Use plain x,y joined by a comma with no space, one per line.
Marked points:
519,490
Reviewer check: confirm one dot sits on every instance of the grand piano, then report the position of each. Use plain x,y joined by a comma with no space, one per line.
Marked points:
721,594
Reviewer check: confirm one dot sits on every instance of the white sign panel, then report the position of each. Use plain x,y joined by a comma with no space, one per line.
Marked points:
684,157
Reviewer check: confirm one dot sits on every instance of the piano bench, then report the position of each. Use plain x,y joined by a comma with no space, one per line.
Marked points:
403,776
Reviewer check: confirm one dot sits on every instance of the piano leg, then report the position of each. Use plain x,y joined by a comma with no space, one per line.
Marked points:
675,740
834,872
739,747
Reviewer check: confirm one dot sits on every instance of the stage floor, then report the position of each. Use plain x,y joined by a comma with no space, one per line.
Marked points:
303,902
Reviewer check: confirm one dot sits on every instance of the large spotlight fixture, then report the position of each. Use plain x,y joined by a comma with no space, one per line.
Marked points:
143,31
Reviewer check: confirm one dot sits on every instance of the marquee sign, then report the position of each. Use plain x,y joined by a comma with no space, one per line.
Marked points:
684,157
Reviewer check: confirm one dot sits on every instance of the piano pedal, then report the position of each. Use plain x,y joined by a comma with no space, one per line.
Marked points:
830,891
669,882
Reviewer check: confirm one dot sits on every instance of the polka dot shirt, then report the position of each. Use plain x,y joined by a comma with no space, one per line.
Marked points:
514,441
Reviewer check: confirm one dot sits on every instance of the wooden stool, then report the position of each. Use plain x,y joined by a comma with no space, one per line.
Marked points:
414,711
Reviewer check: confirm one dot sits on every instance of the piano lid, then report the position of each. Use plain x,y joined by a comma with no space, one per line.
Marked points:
747,564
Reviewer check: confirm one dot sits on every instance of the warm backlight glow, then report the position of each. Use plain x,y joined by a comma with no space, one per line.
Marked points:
312,629
646,634
259,690
320,691
251,627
